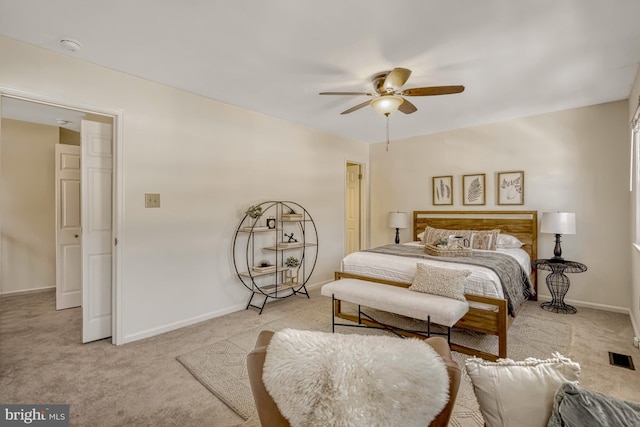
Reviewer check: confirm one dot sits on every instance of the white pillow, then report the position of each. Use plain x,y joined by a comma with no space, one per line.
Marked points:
445,282
507,241
519,394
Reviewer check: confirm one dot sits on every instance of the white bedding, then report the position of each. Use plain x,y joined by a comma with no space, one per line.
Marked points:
482,281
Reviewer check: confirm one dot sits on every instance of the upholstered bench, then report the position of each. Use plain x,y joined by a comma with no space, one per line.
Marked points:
395,299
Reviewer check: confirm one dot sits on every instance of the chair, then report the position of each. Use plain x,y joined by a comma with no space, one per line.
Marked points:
270,415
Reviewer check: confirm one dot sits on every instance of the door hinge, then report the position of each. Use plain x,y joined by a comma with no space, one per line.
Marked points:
359,176
115,242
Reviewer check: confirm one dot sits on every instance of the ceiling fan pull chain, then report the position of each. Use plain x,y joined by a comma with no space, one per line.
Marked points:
387,133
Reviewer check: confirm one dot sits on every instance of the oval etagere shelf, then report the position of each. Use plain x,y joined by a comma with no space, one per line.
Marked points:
270,240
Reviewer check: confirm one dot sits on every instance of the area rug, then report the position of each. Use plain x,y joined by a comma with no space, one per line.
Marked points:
221,366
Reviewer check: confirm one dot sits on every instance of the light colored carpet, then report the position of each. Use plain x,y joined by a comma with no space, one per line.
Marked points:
221,366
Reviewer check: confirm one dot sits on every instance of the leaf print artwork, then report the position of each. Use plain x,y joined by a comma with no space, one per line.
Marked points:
475,190
511,188
473,187
442,193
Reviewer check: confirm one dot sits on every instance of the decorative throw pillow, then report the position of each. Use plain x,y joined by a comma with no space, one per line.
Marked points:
445,282
507,241
484,239
514,393
432,234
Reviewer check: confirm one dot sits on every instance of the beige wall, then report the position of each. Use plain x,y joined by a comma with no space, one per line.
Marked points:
574,160
209,161
27,206
69,137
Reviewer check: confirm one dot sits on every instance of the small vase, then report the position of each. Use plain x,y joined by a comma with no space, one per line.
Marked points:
291,277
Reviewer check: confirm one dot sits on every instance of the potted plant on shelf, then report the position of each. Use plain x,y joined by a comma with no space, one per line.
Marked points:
254,212
293,263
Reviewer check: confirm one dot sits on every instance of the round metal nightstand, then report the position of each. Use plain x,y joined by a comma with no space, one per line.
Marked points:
558,283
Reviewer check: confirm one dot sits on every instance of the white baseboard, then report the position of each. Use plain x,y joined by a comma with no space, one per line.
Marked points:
585,304
183,323
318,284
29,291
192,321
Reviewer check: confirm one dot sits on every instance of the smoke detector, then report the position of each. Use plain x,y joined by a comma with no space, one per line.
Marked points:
71,44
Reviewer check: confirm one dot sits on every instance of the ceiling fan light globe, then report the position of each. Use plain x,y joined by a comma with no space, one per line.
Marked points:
387,104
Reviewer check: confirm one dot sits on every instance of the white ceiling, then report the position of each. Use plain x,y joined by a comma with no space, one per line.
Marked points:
515,57
43,114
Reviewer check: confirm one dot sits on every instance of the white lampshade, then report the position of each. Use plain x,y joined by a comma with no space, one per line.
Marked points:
558,223
398,220
386,104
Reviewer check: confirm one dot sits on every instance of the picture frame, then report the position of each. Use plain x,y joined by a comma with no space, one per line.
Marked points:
510,188
442,190
271,223
474,189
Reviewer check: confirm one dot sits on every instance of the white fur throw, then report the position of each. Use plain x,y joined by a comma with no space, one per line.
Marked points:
323,379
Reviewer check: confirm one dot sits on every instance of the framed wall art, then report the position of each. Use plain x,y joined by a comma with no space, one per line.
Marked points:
510,188
473,189
443,190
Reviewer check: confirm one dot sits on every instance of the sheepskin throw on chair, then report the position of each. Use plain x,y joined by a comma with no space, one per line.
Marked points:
322,379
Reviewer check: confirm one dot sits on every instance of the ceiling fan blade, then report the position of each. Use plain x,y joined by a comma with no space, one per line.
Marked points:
433,90
407,107
357,107
396,78
346,93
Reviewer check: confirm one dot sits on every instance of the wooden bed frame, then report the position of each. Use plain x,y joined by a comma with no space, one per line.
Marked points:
491,317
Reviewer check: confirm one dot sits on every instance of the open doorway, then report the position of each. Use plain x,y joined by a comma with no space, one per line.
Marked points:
354,208
31,256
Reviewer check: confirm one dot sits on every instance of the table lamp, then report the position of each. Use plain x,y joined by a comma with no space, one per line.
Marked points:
398,220
558,223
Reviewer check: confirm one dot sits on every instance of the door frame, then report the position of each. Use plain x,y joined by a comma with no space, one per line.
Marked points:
364,229
117,337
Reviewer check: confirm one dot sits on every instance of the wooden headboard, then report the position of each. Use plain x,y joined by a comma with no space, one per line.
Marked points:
522,224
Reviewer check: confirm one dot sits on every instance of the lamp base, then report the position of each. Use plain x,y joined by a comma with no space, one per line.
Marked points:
397,236
557,251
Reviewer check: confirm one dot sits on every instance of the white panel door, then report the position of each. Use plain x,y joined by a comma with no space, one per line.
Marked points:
68,227
353,209
96,183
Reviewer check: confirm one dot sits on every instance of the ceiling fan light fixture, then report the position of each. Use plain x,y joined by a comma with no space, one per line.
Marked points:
386,104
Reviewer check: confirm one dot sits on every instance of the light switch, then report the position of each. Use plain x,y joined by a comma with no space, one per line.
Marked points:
152,200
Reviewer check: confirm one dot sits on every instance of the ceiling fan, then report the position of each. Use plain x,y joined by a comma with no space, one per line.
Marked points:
388,95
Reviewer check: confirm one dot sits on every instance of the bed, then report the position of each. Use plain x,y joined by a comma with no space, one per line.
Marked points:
490,311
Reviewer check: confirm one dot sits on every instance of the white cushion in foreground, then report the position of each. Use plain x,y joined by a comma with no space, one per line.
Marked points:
324,379
519,394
